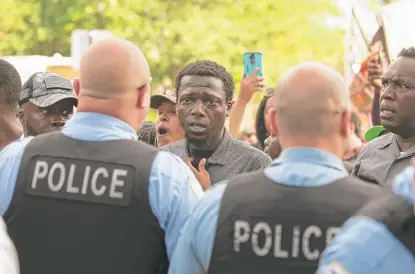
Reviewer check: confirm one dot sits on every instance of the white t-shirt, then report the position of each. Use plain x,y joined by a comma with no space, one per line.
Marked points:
9,263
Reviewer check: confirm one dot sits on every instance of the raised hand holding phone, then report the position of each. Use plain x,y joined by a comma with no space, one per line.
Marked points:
250,85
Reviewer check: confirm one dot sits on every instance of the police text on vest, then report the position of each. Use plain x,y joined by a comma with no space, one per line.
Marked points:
283,241
82,180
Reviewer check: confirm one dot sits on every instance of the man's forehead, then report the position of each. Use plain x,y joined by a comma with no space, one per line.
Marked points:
201,81
402,66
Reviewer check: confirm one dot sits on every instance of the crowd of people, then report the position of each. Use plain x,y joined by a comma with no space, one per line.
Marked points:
88,186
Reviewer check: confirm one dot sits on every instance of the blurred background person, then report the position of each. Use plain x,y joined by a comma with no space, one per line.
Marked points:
262,120
168,128
10,88
47,101
249,85
248,136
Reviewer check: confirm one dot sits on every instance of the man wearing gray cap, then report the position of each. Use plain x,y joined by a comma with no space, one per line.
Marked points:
168,128
47,101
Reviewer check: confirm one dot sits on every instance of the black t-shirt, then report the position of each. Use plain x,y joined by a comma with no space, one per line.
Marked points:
197,156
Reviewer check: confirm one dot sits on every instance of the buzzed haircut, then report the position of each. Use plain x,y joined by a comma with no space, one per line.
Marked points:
409,52
210,69
10,84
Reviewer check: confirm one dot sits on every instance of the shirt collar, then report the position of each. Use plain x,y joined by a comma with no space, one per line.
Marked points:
220,154
85,124
310,155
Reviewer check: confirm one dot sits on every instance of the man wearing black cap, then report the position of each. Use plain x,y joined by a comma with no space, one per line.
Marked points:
168,128
47,101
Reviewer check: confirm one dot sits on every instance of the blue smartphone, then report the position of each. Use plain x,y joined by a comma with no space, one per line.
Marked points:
252,60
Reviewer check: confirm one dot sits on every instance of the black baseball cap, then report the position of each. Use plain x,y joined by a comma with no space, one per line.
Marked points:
45,89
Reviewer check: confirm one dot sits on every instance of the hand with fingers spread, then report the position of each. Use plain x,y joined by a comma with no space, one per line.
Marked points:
375,72
251,84
201,175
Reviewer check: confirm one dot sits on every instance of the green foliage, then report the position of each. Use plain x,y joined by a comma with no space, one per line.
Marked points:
174,32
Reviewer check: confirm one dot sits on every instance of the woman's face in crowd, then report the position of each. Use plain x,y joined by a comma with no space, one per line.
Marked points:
268,106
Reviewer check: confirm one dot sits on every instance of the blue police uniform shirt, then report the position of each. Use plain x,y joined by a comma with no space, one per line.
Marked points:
301,167
173,188
366,246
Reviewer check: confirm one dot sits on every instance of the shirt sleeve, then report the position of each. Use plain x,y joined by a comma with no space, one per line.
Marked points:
402,185
365,246
9,262
194,249
173,194
10,159
261,162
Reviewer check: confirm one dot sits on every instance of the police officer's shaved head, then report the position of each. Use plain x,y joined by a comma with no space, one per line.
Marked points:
307,99
312,102
114,80
113,66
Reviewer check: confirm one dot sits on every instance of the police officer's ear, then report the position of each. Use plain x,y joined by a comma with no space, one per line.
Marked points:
229,106
76,86
143,99
345,121
274,123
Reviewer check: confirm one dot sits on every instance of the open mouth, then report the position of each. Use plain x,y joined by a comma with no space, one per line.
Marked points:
197,127
386,112
161,131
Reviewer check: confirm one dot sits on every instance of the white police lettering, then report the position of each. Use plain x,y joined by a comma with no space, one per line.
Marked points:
278,251
61,173
86,179
99,171
264,250
311,230
41,170
290,241
115,182
241,235
69,187
96,182
296,242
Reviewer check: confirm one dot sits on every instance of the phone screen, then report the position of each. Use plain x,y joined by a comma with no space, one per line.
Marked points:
252,60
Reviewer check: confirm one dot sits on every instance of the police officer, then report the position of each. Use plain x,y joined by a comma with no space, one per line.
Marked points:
280,219
91,198
380,238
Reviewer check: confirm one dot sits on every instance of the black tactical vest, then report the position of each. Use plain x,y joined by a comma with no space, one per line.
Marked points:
396,213
267,227
83,207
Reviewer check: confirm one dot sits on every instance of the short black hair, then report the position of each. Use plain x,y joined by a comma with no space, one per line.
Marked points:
208,68
10,84
260,127
148,135
409,52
